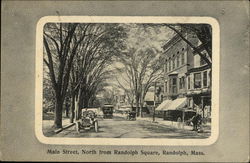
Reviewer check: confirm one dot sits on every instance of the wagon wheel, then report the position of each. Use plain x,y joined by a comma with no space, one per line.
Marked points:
96,126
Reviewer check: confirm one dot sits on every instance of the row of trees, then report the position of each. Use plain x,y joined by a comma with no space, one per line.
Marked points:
77,57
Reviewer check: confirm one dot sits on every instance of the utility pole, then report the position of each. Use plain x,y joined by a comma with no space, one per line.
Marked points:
154,102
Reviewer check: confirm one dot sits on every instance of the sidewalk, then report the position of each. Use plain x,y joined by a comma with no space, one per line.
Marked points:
49,131
206,127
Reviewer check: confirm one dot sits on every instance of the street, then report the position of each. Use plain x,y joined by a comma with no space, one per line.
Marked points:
119,127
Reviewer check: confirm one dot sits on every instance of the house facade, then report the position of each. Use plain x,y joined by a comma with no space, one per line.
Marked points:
186,75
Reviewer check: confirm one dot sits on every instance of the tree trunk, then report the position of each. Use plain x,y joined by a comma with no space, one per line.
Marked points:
77,114
67,110
72,109
81,102
141,108
137,106
58,113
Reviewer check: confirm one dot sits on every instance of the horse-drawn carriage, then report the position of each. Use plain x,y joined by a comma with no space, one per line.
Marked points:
87,121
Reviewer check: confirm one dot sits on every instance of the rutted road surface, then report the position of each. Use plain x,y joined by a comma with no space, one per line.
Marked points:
119,127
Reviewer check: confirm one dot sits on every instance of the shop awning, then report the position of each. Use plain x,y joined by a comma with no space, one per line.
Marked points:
178,103
164,105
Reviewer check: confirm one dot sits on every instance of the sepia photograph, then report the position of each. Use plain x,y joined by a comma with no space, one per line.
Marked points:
127,80
124,81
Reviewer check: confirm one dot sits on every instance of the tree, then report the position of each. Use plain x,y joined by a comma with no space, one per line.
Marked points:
142,62
141,69
61,42
90,69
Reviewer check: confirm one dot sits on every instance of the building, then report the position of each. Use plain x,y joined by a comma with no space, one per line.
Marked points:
186,75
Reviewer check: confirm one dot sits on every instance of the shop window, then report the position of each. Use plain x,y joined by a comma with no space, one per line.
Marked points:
197,80
205,79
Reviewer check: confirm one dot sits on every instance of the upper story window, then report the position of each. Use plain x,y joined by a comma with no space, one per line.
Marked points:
173,63
197,80
205,79
174,85
166,87
182,58
178,61
169,65
189,82
182,82
202,62
166,68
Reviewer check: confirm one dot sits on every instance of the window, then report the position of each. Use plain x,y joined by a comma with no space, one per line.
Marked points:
178,61
174,86
202,62
182,82
197,80
182,58
173,63
210,75
166,68
204,78
169,65
188,82
166,87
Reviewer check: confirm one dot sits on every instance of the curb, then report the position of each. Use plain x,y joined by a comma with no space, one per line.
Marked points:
63,128
157,122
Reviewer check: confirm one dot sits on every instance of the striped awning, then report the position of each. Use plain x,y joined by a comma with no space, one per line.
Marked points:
164,105
178,103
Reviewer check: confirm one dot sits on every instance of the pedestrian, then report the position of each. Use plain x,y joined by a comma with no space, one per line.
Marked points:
196,120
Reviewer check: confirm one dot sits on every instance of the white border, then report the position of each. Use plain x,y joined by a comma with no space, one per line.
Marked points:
127,141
